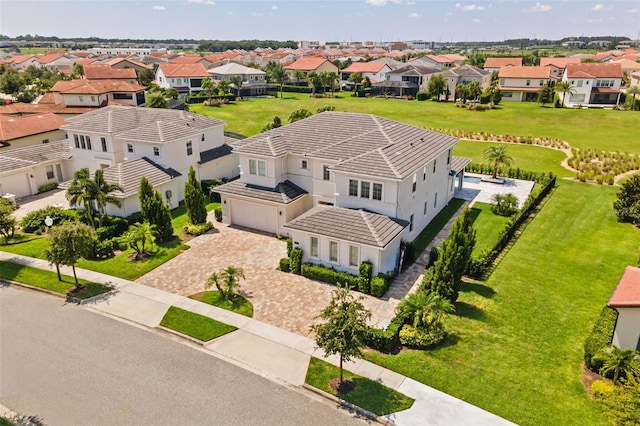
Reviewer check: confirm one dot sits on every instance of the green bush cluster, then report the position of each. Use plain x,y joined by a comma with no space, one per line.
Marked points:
48,187
513,173
599,338
296,260
208,188
422,96
380,284
200,98
285,264
385,340
419,338
217,212
328,275
34,221
112,227
197,229
366,269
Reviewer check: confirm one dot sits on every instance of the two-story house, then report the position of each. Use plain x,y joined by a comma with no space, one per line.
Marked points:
346,187
406,80
558,65
106,72
97,93
522,84
466,74
35,129
593,84
376,71
185,78
311,63
253,80
495,64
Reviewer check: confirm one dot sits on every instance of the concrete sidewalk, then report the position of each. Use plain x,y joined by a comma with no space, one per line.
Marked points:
272,352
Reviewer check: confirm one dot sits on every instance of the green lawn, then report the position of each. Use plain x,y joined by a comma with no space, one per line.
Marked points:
431,230
488,226
179,214
194,325
239,305
49,280
586,128
516,342
367,394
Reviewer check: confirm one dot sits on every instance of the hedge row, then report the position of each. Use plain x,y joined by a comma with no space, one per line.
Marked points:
600,337
328,275
480,266
487,169
385,340
198,99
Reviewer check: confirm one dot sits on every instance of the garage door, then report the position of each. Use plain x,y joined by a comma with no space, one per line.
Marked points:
17,184
254,215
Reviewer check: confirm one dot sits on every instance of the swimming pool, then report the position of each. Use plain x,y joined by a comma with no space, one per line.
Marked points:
470,179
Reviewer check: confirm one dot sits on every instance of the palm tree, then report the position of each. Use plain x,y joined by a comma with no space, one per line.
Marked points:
436,85
462,92
355,78
209,86
278,74
231,276
214,279
236,80
496,155
565,87
474,90
333,78
633,91
298,75
156,99
619,361
299,114
314,80
103,189
138,235
424,309
83,191
223,87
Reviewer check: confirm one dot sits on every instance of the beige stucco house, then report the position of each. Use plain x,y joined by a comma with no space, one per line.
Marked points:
626,300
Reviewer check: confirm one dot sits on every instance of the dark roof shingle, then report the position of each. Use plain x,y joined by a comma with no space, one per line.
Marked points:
284,193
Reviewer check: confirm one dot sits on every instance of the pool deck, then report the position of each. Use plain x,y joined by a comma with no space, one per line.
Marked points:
484,192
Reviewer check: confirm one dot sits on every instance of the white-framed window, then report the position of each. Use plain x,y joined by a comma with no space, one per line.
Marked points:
377,191
103,142
354,256
257,167
156,151
333,251
528,82
502,82
49,170
88,142
315,243
353,188
45,140
93,99
364,189
325,173
577,98
76,141
304,164
83,143
411,223
130,148
579,84
189,148
541,82
414,185
184,81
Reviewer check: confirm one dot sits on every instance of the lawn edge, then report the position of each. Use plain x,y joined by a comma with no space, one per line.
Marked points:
184,336
32,287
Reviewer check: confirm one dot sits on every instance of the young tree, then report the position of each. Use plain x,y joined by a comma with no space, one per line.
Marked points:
145,77
546,94
313,78
214,279
298,75
496,156
223,87
474,90
69,242
355,78
436,86
156,99
424,309
462,92
278,75
633,92
236,80
230,277
194,199
138,235
505,204
345,322
155,210
299,114
564,87
83,190
620,362
627,204
208,86
103,193
7,222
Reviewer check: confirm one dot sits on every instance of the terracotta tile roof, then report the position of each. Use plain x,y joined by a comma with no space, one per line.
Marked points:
627,293
31,155
105,72
22,108
307,63
559,62
502,62
18,59
116,61
370,67
47,98
187,59
183,70
45,59
95,86
524,72
278,55
18,127
442,59
596,70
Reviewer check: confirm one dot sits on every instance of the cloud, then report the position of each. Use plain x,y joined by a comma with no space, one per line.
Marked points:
539,7
415,15
158,7
601,7
411,3
632,11
469,7
476,20
256,14
208,2
379,3
274,7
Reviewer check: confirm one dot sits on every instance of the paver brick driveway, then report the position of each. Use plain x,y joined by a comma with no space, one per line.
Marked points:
281,299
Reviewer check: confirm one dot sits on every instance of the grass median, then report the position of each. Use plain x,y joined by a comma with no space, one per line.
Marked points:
194,325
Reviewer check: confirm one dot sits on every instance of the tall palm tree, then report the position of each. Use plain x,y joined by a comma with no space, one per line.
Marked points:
223,87
231,276
83,191
278,74
103,193
633,91
564,87
138,235
156,99
462,92
496,155
236,80
355,78
209,86
474,90
619,361
298,75
313,78
214,279
424,309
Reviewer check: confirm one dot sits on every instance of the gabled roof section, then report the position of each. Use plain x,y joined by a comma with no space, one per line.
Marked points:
31,155
357,226
466,71
502,62
524,72
308,63
18,127
606,70
284,193
233,68
416,69
627,293
183,70
94,87
105,72
370,67
559,62
129,173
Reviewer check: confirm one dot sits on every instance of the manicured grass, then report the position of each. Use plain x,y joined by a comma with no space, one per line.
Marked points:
368,394
431,230
525,157
194,325
516,341
179,214
5,422
49,280
586,128
239,305
488,226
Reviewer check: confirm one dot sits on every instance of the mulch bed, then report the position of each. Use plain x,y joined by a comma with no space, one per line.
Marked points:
346,387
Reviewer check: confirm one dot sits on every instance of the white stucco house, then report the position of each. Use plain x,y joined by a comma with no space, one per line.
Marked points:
522,84
253,80
346,187
594,84
185,78
626,300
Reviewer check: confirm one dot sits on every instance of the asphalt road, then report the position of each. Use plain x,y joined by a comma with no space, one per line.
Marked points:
70,366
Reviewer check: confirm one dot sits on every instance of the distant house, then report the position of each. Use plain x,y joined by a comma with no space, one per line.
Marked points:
185,78
192,59
97,93
106,72
346,187
36,129
414,73
376,71
594,84
466,74
558,65
441,61
626,300
22,61
522,84
635,79
253,80
628,66
495,64
310,63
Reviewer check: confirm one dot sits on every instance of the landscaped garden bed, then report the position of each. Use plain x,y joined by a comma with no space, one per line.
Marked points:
238,304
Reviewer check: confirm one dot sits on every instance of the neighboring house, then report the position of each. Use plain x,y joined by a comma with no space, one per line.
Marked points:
24,170
594,84
441,61
97,93
253,80
346,187
495,64
635,79
192,59
57,62
558,65
106,72
628,66
522,84
22,61
20,132
626,300
466,74
125,63
376,71
129,143
414,72
185,78
309,63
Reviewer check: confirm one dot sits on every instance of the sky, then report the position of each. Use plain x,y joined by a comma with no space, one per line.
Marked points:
333,20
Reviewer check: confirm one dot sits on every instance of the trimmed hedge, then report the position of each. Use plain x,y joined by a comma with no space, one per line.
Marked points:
112,227
34,221
197,229
600,337
198,99
419,338
328,275
380,285
385,340
296,261
422,96
285,264
217,212
48,187
366,269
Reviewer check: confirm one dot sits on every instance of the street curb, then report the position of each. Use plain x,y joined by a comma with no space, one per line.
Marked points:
346,404
184,336
42,290
69,299
91,299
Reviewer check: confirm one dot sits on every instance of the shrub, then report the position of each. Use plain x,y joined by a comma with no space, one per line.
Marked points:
209,186
197,229
409,254
433,255
366,269
113,227
505,204
379,286
285,264
600,337
217,212
136,217
296,260
384,340
34,221
419,338
48,187
327,275
103,249
600,388
289,246
422,96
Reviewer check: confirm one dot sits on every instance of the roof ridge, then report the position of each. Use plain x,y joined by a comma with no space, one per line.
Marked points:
160,133
381,152
370,226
